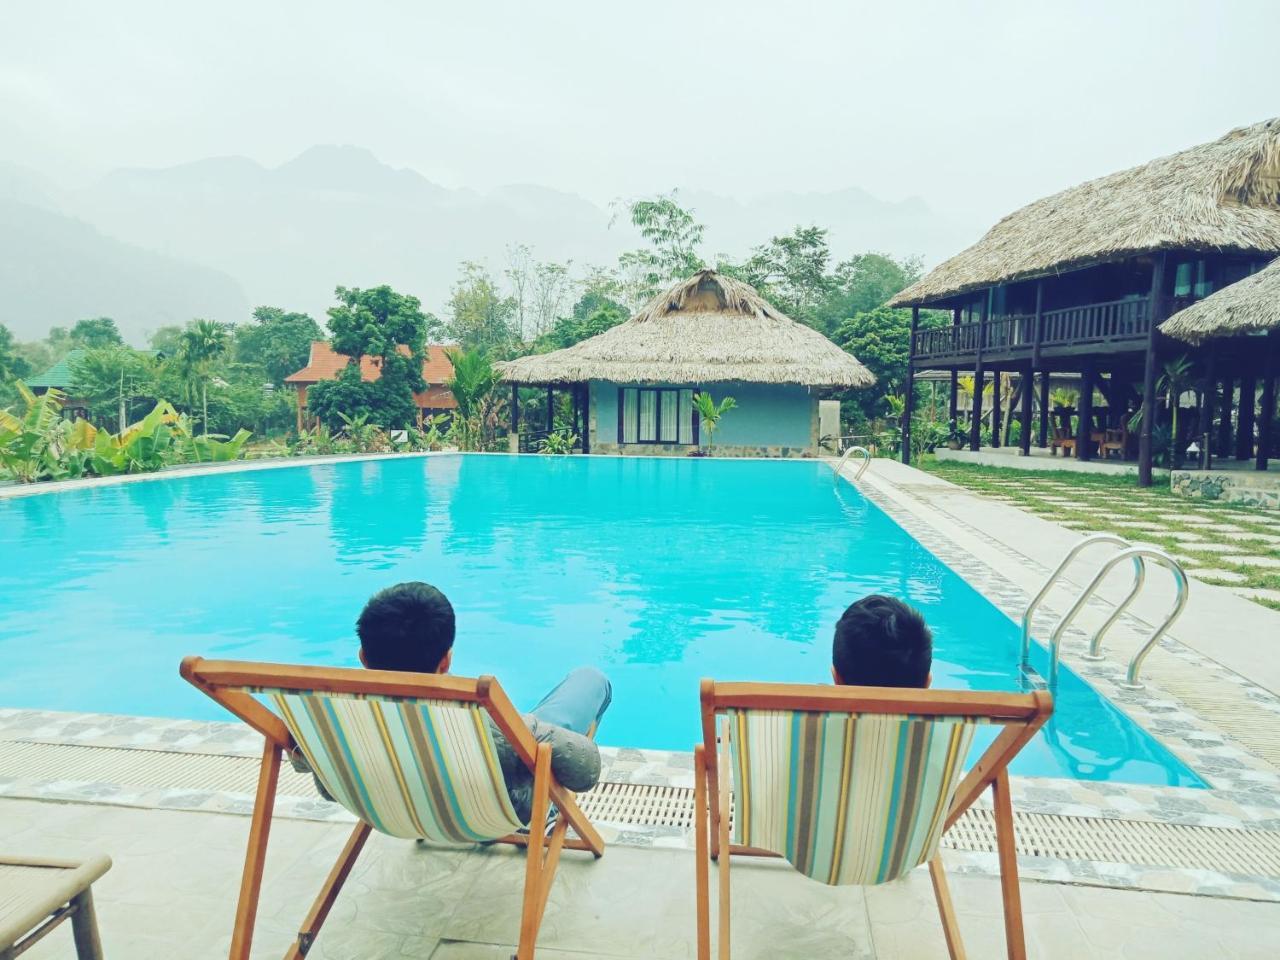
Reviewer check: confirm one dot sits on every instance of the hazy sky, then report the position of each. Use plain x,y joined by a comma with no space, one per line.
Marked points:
977,108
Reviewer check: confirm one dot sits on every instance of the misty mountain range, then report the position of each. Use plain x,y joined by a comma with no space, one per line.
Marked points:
216,237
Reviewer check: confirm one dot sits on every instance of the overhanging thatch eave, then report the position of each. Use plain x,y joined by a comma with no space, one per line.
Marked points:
1248,306
1219,196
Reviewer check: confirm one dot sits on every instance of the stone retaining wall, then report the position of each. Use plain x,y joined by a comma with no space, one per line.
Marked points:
1252,489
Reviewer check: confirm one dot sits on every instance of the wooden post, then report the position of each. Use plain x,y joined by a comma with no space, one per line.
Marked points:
979,374
1028,388
1244,423
1204,428
1226,401
1037,331
1267,411
1149,373
908,408
513,439
1084,419
1043,438
586,418
997,414
551,407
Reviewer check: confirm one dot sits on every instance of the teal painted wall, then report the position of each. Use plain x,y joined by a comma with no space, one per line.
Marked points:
766,415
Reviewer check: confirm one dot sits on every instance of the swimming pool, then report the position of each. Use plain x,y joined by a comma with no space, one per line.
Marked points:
660,571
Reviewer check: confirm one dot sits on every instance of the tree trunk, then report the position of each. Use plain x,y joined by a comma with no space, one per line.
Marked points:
204,404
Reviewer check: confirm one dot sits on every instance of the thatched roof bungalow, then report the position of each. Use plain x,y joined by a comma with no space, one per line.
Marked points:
633,385
1080,281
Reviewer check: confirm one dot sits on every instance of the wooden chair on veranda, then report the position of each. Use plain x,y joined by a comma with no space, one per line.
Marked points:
852,785
410,755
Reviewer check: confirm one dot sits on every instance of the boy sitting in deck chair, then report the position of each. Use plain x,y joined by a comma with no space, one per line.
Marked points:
882,642
410,627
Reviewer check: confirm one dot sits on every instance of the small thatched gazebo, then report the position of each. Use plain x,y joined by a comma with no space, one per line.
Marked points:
634,384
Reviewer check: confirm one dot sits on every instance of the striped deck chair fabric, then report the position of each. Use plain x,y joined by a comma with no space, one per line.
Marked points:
846,798
409,768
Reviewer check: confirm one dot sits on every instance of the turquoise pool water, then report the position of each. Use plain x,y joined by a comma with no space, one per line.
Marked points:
660,571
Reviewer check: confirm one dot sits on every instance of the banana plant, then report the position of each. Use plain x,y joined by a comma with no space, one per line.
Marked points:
38,444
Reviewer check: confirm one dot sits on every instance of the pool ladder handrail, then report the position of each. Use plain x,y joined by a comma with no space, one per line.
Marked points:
1097,539
862,467
1139,555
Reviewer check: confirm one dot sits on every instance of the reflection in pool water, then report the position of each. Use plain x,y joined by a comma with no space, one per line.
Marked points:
660,571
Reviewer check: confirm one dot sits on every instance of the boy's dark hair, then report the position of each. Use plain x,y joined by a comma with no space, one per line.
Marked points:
882,642
406,627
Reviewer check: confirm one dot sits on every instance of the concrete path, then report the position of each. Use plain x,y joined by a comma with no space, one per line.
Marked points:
171,894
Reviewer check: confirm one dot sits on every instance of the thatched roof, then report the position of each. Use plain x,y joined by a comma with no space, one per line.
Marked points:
707,329
1223,195
1248,305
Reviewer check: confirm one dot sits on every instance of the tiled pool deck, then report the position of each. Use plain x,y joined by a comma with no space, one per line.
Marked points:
1210,698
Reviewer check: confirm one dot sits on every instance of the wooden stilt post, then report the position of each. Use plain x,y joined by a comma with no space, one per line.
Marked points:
979,375
1043,438
1226,401
1149,372
1024,432
1244,421
1084,419
551,408
953,398
515,418
1267,411
909,406
1208,401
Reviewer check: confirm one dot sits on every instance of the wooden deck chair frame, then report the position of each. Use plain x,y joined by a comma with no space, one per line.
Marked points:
224,680
1021,716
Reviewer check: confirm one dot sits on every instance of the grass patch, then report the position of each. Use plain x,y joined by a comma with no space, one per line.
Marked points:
1115,504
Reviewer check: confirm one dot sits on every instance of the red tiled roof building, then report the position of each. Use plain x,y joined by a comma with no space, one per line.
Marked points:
325,364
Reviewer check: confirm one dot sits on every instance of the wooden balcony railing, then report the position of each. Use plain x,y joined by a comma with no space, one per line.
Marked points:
1114,320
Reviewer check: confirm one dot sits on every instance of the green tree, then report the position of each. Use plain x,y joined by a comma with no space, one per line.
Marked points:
481,318
96,332
12,364
881,339
166,340
391,329
862,284
202,343
110,378
278,341
674,236
791,271
592,314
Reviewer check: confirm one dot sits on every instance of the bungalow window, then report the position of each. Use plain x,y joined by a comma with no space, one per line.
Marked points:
656,415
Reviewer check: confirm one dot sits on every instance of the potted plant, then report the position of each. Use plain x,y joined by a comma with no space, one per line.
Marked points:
710,413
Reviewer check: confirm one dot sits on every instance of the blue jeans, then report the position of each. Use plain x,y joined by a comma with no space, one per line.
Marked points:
577,702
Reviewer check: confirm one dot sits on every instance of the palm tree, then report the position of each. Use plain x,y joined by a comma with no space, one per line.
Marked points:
1175,379
201,343
711,413
473,380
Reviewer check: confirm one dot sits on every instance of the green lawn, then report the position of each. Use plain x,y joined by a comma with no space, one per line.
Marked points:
1204,536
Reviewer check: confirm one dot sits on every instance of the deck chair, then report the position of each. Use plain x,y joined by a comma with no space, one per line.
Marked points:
410,755
852,785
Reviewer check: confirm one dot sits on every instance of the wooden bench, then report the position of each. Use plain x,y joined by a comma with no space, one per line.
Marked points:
37,895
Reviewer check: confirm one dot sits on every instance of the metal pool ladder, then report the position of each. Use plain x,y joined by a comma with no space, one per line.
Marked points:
1138,555
862,467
